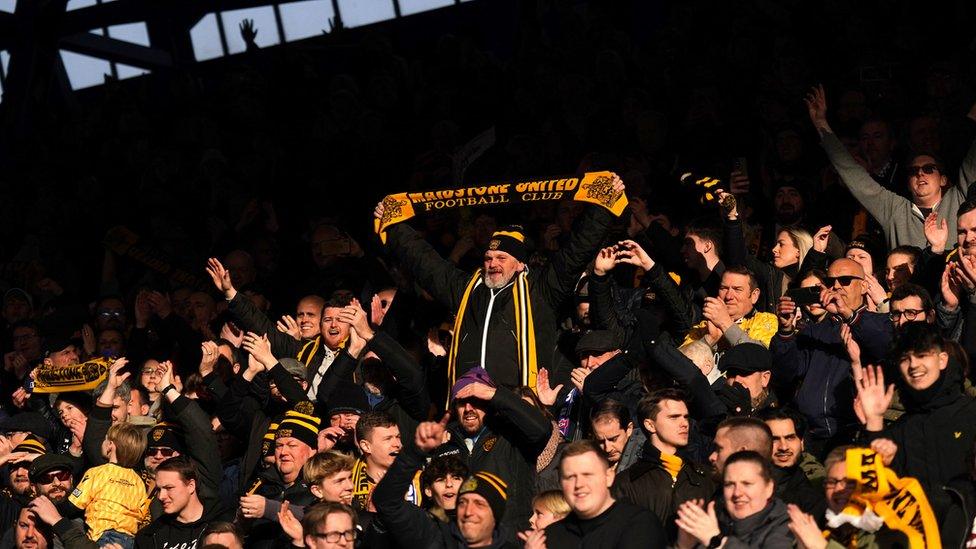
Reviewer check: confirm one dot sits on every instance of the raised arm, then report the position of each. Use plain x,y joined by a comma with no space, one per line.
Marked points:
247,316
408,523
441,278
877,200
560,275
201,443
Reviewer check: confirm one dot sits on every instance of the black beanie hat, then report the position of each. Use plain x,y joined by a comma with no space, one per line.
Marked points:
511,240
490,487
164,435
301,426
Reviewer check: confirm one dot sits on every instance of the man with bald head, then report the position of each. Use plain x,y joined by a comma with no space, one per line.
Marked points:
818,352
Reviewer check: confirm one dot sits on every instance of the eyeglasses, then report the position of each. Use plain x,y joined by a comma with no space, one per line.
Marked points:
927,169
909,314
52,476
845,280
332,537
107,313
839,483
165,452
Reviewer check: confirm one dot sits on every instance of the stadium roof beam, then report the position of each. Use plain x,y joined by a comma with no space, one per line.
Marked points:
120,51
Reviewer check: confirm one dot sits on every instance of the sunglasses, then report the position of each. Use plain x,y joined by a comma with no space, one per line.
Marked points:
164,452
52,476
927,169
845,280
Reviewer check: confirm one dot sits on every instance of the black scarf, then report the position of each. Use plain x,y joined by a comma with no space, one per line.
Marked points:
946,390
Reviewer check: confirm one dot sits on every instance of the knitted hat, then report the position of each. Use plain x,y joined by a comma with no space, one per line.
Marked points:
32,445
301,426
164,435
267,443
490,487
511,240
474,375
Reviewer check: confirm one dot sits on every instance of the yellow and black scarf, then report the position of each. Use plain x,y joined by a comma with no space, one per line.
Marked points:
524,329
77,377
594,187
901,502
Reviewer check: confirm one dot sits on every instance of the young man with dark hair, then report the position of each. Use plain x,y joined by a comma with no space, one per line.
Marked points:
936,433
226,534
184,515
329,525
441,480
792,484
597,519
379,443
663,477
910,303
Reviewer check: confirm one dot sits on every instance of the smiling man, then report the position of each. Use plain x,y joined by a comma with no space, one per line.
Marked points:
320,334
597,519
731,317
936,433
928,184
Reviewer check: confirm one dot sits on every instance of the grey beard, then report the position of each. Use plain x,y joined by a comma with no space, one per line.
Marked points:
494,285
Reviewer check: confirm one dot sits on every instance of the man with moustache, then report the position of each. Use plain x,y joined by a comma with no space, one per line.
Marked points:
792,484
18,491
52,480
497,432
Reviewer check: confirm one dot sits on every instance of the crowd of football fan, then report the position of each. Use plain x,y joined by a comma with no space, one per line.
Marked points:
623,383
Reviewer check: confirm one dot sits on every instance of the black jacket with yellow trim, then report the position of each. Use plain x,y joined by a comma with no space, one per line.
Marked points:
549,287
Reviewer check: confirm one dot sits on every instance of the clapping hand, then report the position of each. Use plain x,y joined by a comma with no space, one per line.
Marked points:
547,395
260,348
288,325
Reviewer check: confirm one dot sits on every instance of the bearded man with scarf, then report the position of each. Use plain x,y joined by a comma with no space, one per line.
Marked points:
506,317
937,431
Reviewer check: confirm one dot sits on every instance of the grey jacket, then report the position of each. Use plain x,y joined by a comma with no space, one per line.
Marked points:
901,220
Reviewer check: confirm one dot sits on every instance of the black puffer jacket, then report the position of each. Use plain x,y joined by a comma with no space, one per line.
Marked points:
648,485
934,436
549,287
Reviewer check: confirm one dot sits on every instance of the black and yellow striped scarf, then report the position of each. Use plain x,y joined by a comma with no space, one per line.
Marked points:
524,329
362,487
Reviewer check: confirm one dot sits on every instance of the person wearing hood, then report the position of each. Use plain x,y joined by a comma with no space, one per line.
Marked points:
750,516
184,516
937,430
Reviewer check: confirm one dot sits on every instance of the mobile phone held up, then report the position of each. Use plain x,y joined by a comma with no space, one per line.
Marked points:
804,296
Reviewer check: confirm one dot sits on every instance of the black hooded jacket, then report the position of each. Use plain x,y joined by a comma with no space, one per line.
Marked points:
934,436
167,533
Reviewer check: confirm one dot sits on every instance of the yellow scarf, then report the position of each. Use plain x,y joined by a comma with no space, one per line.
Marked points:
901,502
671,464
595,188
77,377
524,329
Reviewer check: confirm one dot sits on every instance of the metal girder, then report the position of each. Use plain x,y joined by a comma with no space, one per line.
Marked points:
116,50
130,11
